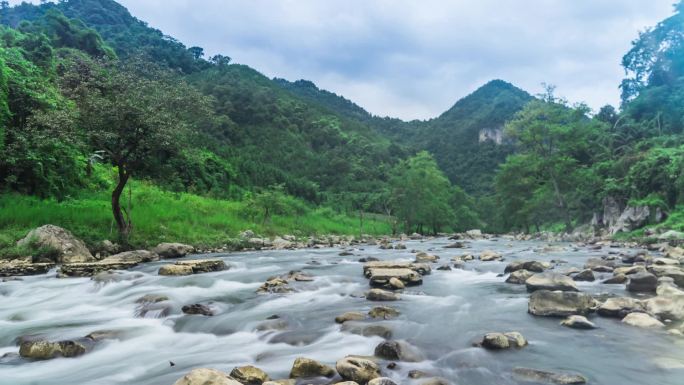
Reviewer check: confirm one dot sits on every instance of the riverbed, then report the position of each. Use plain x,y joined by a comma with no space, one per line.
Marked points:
441,318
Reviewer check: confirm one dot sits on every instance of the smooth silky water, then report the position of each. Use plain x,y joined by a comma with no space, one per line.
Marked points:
442,318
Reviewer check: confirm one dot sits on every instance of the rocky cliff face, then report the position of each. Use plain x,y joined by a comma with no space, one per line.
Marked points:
494,134
617,218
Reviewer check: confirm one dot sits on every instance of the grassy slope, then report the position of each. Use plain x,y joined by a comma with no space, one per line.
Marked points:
161,216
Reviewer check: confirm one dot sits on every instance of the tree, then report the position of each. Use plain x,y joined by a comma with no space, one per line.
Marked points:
134,114
420,194
553,143
197,52
220,60
656,57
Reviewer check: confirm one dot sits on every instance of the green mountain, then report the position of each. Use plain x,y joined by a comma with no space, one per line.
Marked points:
467,140
90,96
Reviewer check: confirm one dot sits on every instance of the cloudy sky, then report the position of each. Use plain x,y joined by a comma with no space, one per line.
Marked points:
414,58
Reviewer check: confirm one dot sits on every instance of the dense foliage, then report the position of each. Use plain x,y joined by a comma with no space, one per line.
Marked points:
85,85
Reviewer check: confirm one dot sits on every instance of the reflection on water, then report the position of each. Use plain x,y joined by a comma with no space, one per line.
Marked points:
441,318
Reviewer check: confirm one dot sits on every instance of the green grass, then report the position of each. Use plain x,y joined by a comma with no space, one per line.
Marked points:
161,216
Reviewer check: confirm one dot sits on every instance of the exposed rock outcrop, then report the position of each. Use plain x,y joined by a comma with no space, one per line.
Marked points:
67,248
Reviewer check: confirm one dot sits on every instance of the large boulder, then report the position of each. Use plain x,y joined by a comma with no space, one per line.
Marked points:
65,247
642,320
357,369
546,377
45,350
550,281
620,307
204,376
308,368
249,375
173,250
642,282
560,303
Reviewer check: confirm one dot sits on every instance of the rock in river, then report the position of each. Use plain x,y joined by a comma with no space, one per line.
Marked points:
550,281
620,307
198,309
642,320
193,267
384,312
381,295
350,316
308,368
578,322
560,303
357,369
381,381
534,266
45,350
173,250
489,255
20,268
544,377
519,277
381,277
642,282
397,350
585,275
204,376
499,341
249,375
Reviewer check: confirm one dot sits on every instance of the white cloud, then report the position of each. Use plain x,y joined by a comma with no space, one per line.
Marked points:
414,59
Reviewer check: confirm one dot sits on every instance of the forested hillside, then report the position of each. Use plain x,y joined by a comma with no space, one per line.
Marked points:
93,101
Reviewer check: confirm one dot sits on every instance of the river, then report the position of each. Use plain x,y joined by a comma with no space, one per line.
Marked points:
441,318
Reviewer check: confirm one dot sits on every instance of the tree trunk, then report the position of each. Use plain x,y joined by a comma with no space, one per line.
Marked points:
562,206
360,223
122,225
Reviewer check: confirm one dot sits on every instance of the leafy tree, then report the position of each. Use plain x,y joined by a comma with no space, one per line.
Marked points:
553,143
134,114
656,57
420,194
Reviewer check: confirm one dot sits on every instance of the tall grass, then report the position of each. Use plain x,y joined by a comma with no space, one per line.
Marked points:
162,216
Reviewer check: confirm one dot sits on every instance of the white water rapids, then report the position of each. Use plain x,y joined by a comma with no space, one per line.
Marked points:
441,318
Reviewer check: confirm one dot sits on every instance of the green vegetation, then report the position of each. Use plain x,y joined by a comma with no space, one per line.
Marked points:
92,98
162,216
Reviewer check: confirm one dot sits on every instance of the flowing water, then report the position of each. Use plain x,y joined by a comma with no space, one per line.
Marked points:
441,318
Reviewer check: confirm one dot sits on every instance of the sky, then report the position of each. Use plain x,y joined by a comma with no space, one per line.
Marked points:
413,59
